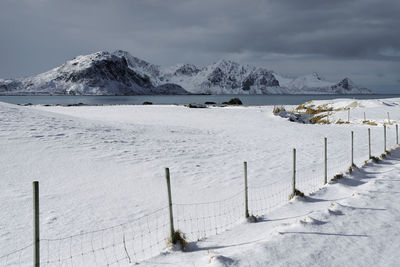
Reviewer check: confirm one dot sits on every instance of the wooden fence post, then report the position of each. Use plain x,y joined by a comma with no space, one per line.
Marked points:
171,216
397,134
246,200
36,230
326,161
294,173
352,149
369,144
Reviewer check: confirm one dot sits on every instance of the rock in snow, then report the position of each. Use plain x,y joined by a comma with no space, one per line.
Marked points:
120,73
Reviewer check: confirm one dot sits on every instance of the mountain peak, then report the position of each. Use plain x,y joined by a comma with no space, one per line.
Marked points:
121,52
85,61
225,63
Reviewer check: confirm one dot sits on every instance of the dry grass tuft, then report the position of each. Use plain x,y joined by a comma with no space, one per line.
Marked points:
312,110
375,159
296,193
320,119
300,107
342,122
389,123
317,110
337,177
276,110
178,238
370,123
352,168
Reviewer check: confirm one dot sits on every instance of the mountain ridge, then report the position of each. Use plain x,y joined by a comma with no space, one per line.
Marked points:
120,73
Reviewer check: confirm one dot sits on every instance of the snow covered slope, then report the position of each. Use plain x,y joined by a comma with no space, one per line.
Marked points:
120,73
103,166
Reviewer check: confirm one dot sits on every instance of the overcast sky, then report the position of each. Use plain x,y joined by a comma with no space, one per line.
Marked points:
336,38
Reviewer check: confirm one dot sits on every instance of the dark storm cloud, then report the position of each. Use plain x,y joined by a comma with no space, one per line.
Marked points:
358,29
39,34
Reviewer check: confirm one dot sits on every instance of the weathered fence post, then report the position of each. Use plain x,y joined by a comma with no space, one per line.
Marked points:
352,149
384,138
369,144
246,200
36,230
294,173
171,216
397,134
326,161
388,117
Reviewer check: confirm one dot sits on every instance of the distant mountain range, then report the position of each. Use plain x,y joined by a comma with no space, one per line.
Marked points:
120,73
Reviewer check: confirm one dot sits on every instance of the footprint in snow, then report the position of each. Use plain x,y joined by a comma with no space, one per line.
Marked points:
311,221
335,212
51,219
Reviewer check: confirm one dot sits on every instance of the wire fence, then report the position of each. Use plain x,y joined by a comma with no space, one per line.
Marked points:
148,236
123,244
18,257
199,220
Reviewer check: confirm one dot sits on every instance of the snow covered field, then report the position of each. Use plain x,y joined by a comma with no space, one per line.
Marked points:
102,167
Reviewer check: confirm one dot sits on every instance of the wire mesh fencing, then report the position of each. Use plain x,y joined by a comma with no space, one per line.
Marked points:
123,244
200,220
18,257
266,197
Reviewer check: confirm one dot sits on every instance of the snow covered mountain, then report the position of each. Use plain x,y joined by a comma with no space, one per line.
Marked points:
120,73
314,84
223,77
101,73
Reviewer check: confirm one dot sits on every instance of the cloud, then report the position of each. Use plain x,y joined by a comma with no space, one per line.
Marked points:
38,34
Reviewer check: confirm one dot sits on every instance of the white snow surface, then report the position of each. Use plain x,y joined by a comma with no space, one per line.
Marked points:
103,166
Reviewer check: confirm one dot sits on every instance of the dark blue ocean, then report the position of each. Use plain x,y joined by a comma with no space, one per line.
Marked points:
251,100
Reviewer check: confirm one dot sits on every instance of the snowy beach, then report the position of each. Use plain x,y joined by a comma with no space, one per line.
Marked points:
103,166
